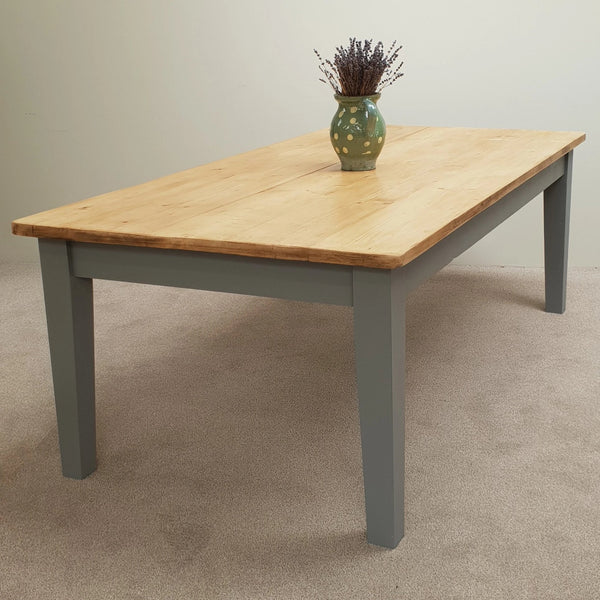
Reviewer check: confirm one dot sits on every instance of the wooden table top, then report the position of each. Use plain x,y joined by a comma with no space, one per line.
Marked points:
291,200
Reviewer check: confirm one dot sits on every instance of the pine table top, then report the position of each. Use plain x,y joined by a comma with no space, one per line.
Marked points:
291,201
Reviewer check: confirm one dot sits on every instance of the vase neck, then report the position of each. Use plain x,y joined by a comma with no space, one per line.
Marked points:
356,99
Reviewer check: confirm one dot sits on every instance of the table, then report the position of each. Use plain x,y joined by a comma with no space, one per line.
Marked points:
284,221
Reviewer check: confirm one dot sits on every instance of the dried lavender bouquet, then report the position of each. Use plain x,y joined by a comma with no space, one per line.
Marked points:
361,69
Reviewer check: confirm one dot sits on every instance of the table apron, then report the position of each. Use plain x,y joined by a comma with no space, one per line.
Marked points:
446,250
291,280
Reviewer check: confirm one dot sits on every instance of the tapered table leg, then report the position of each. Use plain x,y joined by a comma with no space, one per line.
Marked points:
557,204
379,332
69,314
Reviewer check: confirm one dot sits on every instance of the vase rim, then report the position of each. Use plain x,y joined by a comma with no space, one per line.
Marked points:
340,97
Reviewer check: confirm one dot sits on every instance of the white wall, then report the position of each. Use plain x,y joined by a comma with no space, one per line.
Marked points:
96,95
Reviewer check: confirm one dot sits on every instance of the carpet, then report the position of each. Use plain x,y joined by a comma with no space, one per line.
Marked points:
229,459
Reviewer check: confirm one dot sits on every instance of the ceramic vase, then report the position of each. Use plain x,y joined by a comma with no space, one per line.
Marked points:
357,132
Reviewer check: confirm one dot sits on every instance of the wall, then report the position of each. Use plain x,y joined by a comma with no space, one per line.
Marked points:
99,95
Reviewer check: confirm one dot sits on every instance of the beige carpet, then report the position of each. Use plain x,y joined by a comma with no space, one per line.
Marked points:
229,456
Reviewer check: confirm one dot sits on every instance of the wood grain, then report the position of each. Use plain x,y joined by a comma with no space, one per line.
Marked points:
291,200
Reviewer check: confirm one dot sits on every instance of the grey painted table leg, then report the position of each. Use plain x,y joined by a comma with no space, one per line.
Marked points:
69,313
379,332
557,204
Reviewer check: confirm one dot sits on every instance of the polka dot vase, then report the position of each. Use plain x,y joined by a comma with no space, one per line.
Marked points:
357,132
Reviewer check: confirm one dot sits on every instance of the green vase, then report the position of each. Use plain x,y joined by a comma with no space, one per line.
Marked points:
357,132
